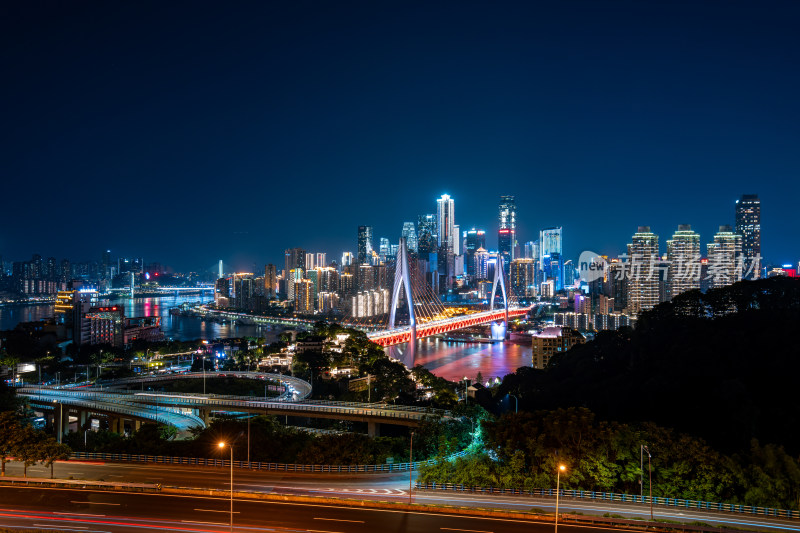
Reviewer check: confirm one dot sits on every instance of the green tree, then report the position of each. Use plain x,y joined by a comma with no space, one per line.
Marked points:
50,451
27,447
10,432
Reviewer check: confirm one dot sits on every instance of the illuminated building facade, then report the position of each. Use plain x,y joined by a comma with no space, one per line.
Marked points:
507,229
748,225
643,259
364,245
725,259
683,256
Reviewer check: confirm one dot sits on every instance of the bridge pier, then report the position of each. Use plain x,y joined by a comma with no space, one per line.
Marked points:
373,429
83,417
64,420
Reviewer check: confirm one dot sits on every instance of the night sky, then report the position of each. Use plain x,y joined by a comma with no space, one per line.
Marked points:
189,132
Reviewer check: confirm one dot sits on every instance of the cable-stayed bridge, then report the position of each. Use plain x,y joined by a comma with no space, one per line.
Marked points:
426,315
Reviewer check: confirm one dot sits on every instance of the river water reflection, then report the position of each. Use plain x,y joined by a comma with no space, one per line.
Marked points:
454,360
450,360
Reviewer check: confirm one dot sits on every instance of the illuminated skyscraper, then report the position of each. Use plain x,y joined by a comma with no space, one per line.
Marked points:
748,225
683,255
410,234
507,229
551,259
725,261
321,260
364,244
270,280
347,259
643,262
473,240
445,220
426,236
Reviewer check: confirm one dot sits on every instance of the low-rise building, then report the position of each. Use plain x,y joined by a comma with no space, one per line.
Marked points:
551,341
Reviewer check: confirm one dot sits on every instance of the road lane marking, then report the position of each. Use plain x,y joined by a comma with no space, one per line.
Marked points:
97,503
469,530
340,520
204,523
216,511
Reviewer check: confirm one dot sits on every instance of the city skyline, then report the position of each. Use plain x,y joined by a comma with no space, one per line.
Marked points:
273,127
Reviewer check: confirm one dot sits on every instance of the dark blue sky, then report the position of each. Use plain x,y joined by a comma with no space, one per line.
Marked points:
187,132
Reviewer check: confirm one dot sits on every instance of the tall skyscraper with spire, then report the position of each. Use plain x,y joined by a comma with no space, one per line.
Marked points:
507,229
748,225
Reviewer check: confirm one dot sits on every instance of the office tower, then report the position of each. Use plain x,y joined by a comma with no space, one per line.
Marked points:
295,258
473,240
105,265
445,220
220,273
683,255
748,225
364,245
310,262
457,240
643,261
321,259
384,249
410,234
531,250
507,229
551,261
426,236
570,273
270,280
521,275
725,258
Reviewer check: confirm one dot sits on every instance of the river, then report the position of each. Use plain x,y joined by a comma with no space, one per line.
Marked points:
450,360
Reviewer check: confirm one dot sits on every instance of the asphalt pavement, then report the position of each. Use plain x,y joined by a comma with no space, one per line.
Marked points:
387,487
95,512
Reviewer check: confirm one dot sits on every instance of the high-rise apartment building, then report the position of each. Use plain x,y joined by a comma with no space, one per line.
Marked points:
683,255
303,296
643,259
270,280
445,222
748,225
321,260
507,229
294,258
310,262
410,234
725,258
522,277
364,245
347,259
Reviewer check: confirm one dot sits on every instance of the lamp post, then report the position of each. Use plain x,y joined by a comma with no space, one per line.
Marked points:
222,445
650,471
516,402
561,468
410,465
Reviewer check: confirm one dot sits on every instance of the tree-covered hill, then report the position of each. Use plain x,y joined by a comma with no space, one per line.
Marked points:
723,366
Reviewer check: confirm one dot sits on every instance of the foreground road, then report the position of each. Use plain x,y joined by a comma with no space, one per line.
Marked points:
392,487
95,512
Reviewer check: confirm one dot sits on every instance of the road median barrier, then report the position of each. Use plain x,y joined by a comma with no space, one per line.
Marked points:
78,484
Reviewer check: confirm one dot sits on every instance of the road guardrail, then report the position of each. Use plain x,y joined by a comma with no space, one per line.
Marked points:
616,497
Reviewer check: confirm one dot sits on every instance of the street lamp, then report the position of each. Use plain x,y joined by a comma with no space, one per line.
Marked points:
222,445
561,468
650,471
410,465
516,402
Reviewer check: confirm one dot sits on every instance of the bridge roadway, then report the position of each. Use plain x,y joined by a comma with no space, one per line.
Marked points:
185,411
402,334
